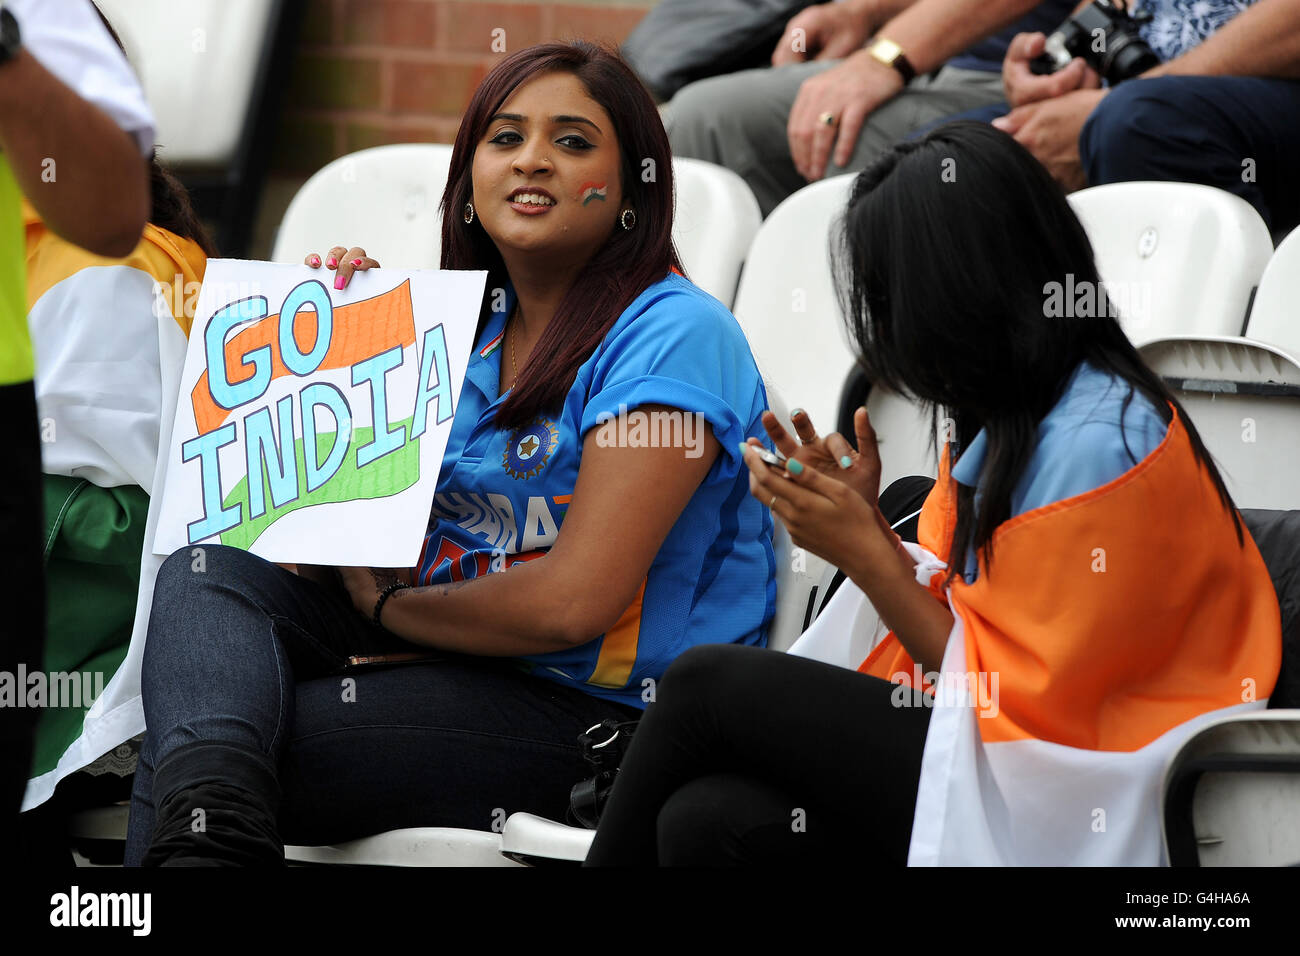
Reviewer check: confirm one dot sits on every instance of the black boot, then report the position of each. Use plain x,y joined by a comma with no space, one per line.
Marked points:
216,806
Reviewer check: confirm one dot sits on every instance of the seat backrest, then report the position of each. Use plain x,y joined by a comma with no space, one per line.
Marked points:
1176,258
716,219
1273,317
199,63
786,301
383,199
1244,399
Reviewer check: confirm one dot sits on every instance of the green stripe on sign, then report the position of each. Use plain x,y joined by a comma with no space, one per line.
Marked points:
390,475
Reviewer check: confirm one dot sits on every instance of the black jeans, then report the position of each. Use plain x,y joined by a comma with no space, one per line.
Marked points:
750,756
245,654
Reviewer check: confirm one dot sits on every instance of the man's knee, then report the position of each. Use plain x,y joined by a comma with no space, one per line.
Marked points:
1135,123
708,114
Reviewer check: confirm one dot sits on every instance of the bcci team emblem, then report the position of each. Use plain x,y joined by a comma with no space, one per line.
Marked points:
529,448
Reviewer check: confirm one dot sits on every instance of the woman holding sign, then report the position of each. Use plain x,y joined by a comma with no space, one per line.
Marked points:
594,457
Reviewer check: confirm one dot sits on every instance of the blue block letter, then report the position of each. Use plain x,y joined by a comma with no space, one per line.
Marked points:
224,392
216,519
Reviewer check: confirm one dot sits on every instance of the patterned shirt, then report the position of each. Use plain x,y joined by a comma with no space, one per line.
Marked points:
1180,25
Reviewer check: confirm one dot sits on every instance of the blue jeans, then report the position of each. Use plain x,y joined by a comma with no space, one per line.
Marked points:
242,652
1239,133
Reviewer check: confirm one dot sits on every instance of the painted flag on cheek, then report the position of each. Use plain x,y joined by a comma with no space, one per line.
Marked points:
590,191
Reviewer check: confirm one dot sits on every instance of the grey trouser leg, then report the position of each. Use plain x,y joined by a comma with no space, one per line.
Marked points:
739,121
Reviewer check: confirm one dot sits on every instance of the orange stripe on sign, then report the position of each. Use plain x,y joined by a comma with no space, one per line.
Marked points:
618,647
361,330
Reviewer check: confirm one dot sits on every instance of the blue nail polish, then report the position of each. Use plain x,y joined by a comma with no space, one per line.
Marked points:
795,412
794,467
744,447
846,462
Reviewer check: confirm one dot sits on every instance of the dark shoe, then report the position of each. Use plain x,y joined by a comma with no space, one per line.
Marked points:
217,806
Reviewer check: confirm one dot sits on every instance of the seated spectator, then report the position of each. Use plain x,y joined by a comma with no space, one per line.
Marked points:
784,127
1045,659
1223,109
95,326
618,556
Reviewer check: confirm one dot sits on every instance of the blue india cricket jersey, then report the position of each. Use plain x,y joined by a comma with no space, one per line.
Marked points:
502,494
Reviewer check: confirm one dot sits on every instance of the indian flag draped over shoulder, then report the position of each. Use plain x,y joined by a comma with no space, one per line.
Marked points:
1111,626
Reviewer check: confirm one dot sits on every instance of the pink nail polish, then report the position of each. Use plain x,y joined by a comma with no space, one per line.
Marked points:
315,262
338,282
332,262
356,262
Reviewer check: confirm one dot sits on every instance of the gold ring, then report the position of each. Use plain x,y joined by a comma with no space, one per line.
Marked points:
827,118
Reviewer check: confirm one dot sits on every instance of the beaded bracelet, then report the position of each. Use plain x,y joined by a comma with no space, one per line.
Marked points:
384,595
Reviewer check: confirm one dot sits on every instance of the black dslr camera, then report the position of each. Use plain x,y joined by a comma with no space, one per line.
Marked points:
1107,39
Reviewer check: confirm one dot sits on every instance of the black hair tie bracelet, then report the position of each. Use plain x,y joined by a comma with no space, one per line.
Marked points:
384,595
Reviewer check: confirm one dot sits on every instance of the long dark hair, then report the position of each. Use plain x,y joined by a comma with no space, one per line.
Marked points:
170,207
948,248
623,267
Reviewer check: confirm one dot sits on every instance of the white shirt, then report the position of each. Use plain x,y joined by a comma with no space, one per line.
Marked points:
69,41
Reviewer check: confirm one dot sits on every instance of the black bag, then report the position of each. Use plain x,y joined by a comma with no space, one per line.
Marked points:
684,40
603,747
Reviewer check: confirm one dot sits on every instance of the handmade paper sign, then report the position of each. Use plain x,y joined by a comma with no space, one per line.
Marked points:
311,423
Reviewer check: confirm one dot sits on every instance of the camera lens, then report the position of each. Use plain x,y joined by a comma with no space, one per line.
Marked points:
1127,56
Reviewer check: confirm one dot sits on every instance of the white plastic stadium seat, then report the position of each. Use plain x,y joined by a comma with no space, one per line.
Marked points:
715,222
1231,794
1244,399
1243,392
415,846
1177,258
383,199
529,837
1275,315
786,301
200,51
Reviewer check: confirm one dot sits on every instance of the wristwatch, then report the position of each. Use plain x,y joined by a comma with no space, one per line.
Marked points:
10,42
891,54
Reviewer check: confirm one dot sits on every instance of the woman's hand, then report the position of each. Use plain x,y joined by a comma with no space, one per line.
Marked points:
832,521
825,516
344,262
831,455
364,585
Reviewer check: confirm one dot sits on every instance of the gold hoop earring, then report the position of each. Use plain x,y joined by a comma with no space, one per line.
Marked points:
469,213
628,220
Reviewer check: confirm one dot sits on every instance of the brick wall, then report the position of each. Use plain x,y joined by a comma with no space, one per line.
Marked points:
396,71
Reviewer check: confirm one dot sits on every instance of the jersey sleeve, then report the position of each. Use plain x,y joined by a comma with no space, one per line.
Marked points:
686,351
69,41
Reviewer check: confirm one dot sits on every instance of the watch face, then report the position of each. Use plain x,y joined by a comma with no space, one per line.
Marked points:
887,50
